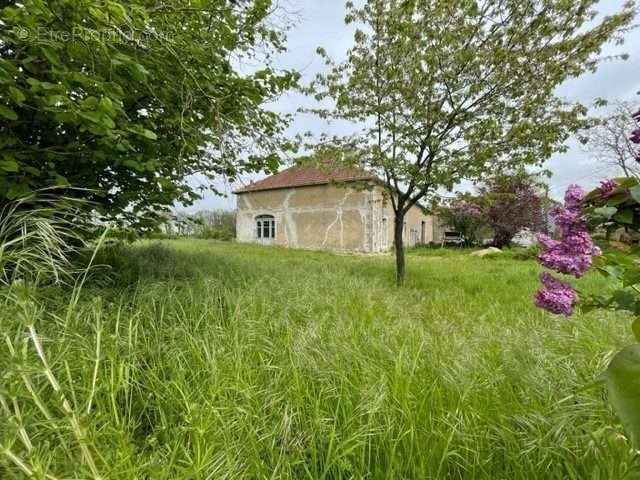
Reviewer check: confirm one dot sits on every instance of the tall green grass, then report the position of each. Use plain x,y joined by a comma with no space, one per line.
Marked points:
204,360
39,234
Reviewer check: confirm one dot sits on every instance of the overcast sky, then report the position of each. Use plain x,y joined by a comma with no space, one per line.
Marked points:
321,23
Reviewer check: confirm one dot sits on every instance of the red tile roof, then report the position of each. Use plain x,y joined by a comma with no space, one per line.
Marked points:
298,176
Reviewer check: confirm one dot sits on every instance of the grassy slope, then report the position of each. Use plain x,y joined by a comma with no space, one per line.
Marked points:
230,361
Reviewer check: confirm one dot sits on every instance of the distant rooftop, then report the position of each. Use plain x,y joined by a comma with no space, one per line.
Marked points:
303,176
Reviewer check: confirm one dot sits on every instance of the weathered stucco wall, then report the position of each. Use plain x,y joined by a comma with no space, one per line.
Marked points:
317,217
330,217
418,227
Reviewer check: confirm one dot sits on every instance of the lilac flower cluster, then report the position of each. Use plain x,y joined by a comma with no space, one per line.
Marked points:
635,135
466,208
572,254
557,297
608,186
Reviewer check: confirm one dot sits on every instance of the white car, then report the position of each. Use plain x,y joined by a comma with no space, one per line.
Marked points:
524,238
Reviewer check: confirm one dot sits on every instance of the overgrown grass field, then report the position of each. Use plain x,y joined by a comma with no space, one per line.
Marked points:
207,360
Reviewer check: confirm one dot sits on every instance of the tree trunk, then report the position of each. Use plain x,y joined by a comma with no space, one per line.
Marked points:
502,238
398,229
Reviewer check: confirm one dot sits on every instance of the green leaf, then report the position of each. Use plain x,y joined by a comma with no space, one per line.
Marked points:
635,327
106,121
616,200
7,113
106,105
624,216
18,190
139,72
606,211
623,385
613,271
625,300
97,14
16,95
5,77
635,193
9,164
90,103
53,100
149,134
60,181
91,116
51,55
133,164
631,277
117,10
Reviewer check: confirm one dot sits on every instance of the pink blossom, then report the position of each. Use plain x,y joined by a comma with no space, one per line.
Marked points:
573,198
608,186
635,135
466,208
567,220
569,264
571,255
547,242
557,297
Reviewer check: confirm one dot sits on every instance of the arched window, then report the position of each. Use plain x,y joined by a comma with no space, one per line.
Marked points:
265,227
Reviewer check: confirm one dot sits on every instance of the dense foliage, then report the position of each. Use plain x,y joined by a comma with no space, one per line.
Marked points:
463,216
512,203
451,90
502,206
214,224
128,99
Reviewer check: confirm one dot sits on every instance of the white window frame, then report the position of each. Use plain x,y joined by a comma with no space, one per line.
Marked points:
265,224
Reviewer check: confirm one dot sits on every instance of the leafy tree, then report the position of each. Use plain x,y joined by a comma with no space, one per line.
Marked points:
609,139
129,99
450,90
218,224
511,203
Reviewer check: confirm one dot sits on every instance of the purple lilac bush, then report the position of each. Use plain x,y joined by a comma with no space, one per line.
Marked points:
571,255
614,205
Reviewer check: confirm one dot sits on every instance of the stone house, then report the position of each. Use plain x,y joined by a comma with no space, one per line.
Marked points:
304,207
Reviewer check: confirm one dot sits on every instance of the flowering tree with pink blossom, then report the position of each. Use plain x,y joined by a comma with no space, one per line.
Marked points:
512,202
612,206
465,217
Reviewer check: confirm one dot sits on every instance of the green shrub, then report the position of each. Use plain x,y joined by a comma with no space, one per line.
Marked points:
527,253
